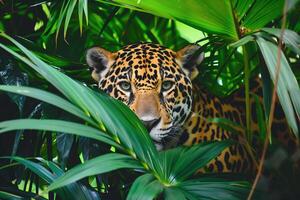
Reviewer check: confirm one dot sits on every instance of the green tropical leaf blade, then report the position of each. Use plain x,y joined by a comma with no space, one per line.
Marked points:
182,162
70,9
145,187
71,191
98,165
171,193
57,126
241,7
262,12
210,16
48,98
8,195
287,81
213,189
38,169
290,38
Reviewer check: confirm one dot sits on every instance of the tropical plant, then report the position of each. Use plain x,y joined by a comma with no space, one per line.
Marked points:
240,39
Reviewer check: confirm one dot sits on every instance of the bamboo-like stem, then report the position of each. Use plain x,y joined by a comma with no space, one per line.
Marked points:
272,109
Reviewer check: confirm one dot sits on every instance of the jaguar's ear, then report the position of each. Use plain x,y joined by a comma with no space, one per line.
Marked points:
189,57
99,60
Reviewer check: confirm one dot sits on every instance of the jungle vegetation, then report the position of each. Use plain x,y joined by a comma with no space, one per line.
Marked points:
61,138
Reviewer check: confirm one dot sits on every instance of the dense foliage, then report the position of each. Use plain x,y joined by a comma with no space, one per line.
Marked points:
73,142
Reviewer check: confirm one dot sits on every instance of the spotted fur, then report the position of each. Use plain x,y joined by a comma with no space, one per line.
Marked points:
156,83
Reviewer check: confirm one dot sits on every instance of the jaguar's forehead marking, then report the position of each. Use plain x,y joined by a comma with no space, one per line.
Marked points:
148,63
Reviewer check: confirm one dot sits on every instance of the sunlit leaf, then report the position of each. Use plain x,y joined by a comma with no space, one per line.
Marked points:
262,12
211,16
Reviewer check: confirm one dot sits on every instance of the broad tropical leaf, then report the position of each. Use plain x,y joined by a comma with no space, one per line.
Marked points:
71,191
145,187
287,83
182,162
48,98
99,165
57,126
212,188
211,16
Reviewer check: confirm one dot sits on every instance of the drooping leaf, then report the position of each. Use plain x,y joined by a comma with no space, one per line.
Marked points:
48,98
98,165
290,38
14,194
212,188
287,83
57,126
145,187
71,191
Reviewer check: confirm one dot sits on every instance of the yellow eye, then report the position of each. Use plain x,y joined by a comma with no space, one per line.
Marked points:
166,85
125,86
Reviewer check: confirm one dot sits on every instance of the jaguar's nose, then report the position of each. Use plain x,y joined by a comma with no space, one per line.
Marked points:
149,124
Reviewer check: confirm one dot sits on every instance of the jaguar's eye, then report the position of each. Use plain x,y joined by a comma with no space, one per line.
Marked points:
166,85
125,86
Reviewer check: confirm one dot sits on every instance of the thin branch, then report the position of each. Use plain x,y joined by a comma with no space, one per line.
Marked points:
271,115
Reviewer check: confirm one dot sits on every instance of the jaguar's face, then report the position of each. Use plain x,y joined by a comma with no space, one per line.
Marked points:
152,81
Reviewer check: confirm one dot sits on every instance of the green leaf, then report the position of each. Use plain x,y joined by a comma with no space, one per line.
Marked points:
242,7
38,169
290,38
57,126
182,162
7,195
287,84
71,191
171,193
145,187
98,165
69,9
48,98
15,194
242,41
262,12
212,188
211,16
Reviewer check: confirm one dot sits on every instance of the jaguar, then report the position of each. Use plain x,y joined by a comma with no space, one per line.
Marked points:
158,84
